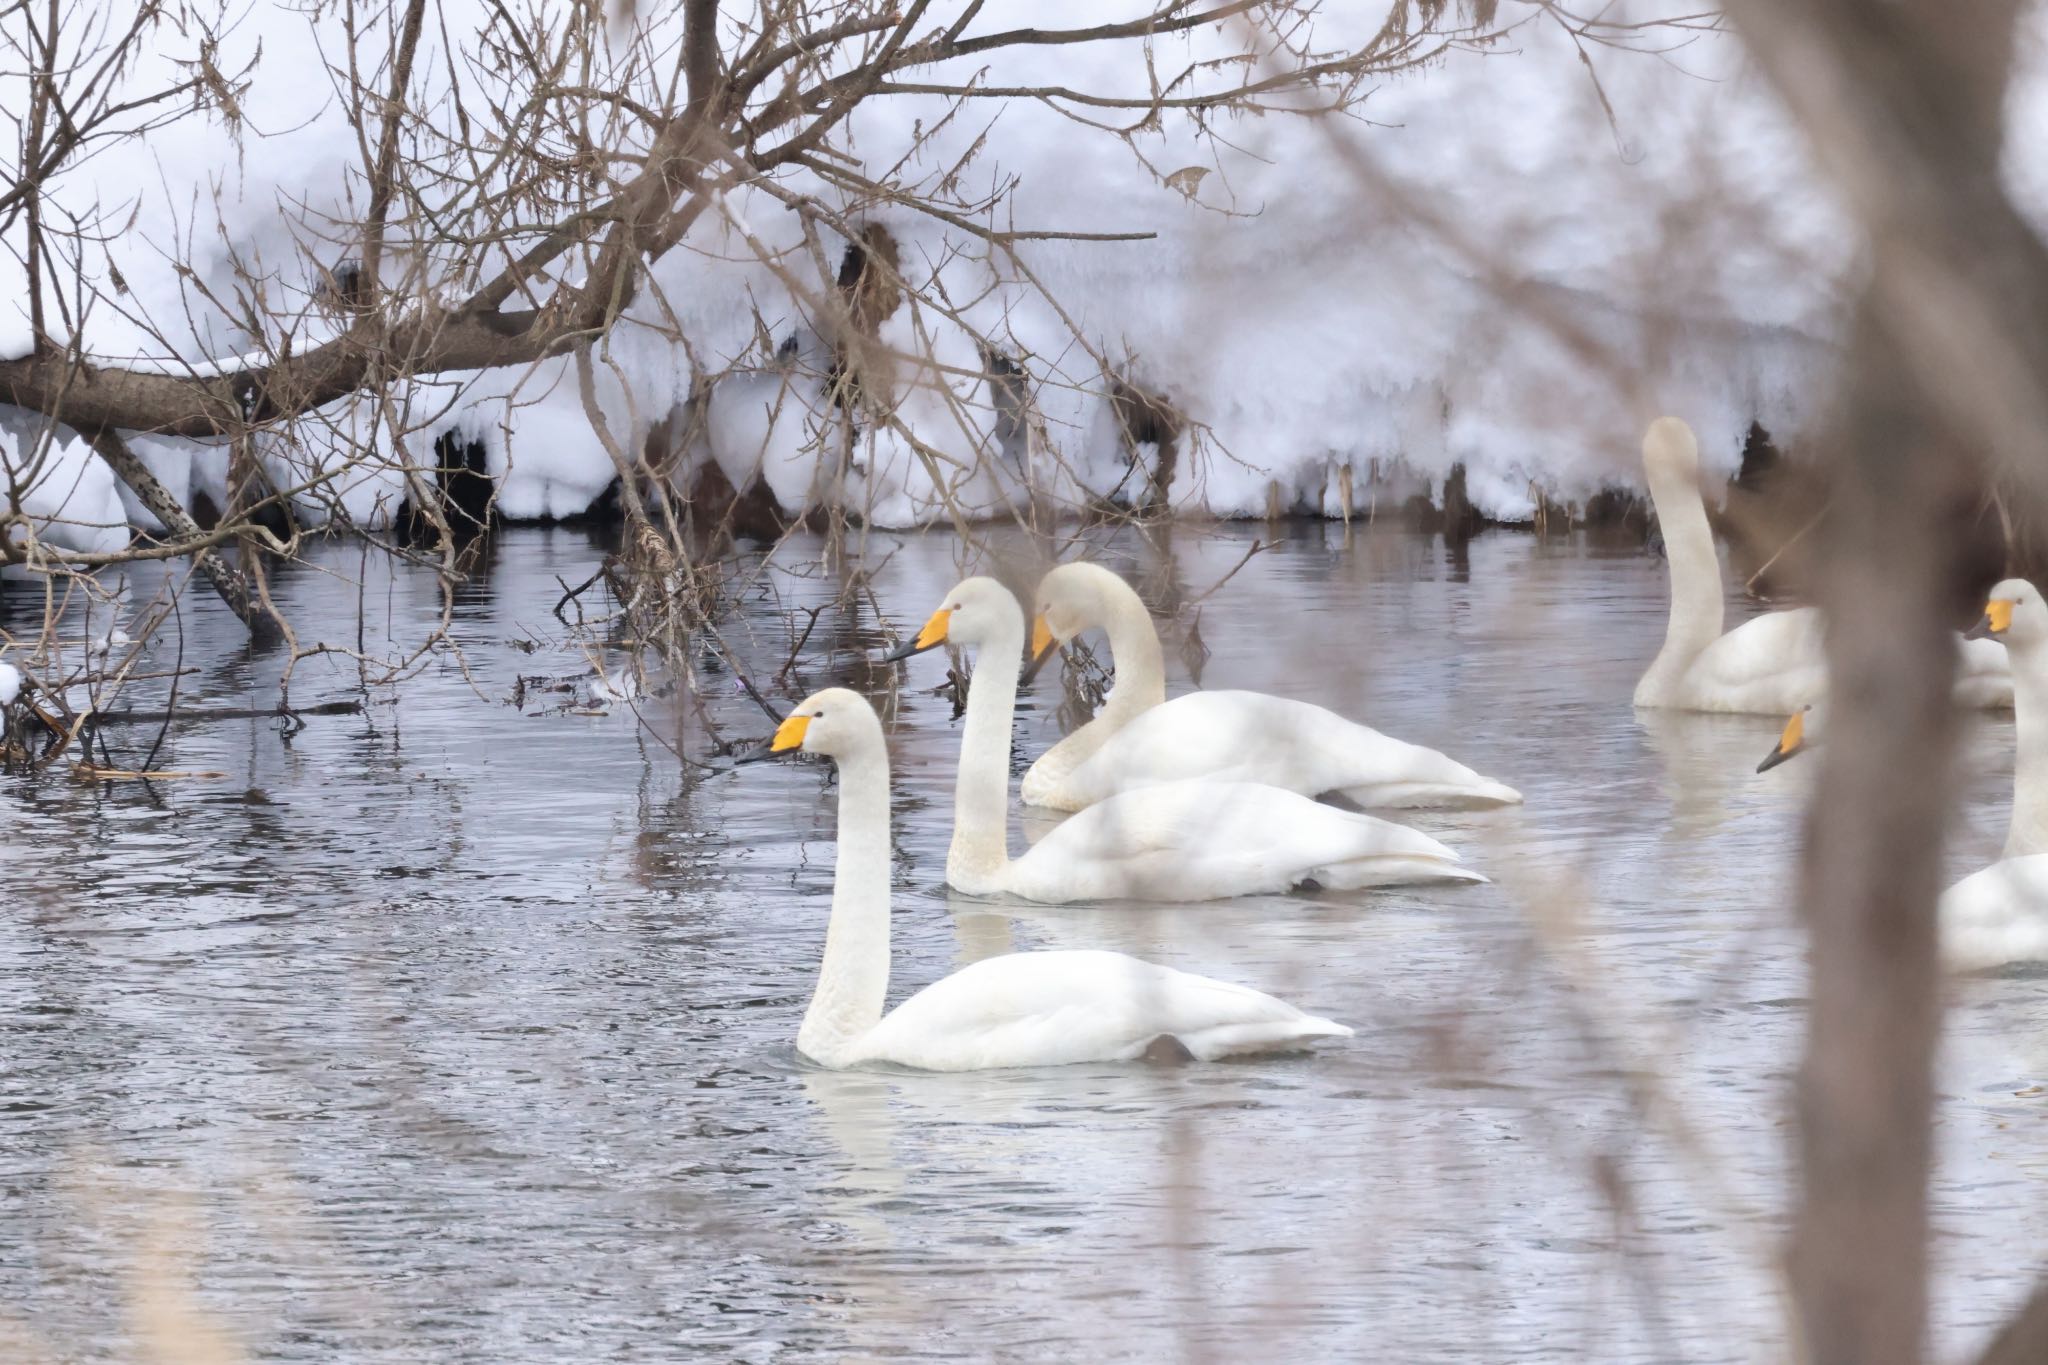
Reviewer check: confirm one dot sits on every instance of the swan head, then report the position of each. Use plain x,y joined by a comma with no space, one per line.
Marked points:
836,723
2014,614
1071,599
1669,447
1801,733
974,612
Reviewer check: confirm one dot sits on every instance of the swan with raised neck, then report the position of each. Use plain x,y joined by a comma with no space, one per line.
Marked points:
2016,616
980,612
853,975
1074,598
1671,460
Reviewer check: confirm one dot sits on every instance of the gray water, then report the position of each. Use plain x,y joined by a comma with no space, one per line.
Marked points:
462,1031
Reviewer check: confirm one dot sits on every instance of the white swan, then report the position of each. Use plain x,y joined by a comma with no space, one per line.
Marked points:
1139,738
1173,841
1770,665
1023,1009
1999,914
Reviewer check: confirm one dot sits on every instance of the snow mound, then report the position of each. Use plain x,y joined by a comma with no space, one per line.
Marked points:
1484,270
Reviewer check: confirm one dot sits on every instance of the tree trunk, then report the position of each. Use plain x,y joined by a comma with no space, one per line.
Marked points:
178,524
1872,871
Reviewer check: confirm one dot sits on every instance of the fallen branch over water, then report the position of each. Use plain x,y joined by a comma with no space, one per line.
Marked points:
93,772
280,712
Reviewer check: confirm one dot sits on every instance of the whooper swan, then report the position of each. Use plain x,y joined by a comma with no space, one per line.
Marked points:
1139,738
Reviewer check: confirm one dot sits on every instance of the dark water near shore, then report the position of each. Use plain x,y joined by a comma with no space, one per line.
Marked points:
461,1031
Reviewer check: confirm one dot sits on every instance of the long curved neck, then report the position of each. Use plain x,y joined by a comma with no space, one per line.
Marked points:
1140,667
981,797
2028,832
1696,600
853,978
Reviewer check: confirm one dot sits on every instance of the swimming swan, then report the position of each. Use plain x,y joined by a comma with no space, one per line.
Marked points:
1770,665
1999,914
1023,1009
1139,737
1174,841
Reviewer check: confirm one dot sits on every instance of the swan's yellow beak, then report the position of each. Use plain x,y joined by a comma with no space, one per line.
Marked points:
931,637
1044,644
1996,621
1789,743
789,735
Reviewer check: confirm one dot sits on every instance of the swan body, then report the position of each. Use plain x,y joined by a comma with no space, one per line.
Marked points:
1184,840
10,689
1139,738
1770,665
1998,914
1022,1009
1057,1008
1205,840
1258,737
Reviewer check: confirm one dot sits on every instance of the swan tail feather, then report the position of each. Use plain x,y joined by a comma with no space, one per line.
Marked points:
1264,1035
1048,791
1391,870
1413,795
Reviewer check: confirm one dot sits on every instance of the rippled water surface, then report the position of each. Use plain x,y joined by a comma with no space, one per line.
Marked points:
461,1030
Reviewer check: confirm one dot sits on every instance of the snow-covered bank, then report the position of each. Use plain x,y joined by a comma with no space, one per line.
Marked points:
1482,270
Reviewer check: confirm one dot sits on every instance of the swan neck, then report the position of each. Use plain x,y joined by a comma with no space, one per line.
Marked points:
981,798
1140,664
853,978
2028,832
1697,602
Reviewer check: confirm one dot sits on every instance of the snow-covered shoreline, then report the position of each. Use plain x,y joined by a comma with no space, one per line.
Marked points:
1566,277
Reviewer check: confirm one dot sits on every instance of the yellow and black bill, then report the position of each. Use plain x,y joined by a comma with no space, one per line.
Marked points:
931,637
1789,743
1996,620
788,736
1044,644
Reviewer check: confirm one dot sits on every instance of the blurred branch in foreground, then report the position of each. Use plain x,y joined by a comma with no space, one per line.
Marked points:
1904,104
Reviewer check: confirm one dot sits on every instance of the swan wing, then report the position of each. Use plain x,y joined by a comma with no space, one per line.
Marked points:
1203,840
1056,1008
1983,674
1771,664
1776,663
1280,742
1997,915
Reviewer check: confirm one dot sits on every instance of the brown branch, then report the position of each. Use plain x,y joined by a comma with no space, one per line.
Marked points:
386,170
350,707
1904,103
